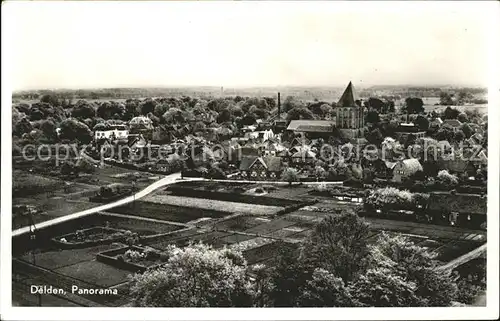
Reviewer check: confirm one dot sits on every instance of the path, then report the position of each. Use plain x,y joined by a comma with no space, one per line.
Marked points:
168,180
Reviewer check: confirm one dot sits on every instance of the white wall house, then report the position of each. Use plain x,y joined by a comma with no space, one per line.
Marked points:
262,135
113,132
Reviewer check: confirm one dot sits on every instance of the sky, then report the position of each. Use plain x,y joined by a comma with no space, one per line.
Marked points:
239,44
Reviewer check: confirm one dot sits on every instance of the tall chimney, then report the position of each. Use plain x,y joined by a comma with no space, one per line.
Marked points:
279,106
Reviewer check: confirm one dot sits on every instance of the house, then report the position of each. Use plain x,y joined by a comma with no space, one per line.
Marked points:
476,139
273,148
261,168
312,128
111,132
436,122
262,135
453,124
404,169
460,207
303,156
406,130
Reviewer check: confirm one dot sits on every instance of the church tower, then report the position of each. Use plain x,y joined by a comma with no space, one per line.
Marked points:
350,118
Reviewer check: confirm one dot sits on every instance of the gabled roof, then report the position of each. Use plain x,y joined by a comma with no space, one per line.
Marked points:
390,165
349,97
452,123
461,203
249,161
304,153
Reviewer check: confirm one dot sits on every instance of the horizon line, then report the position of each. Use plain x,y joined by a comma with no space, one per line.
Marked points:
248,87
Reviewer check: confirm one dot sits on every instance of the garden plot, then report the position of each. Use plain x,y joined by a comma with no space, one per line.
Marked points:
232,239
60,258
270,227
141,227
95,272
213,205
250,244
165,212
241,223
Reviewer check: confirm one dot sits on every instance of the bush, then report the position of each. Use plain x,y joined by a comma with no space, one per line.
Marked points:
390,197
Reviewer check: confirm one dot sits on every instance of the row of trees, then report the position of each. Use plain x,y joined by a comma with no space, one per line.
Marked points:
335,267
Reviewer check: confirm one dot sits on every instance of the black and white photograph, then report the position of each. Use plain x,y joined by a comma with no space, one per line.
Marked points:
251,155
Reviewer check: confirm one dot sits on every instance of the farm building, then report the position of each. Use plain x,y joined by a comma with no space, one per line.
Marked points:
312,128
459,206
261,168
405,168
111,132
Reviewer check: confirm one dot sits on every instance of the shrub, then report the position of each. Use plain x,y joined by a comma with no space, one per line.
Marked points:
447,179
390,197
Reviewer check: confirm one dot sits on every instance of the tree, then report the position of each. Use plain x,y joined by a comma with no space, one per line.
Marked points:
22,127
48,128
450,113
83,110
50,99
195,276
287,279
224,116
414,105
291,103
376,104
380,287
290,175
299,113
249,119
107,110
462,117
72,129
414,263
324,290
131,109
372,117
147,106
467,130
338,245
445,99
422,122
444,134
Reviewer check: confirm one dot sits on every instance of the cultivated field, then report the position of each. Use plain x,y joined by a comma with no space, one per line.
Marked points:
213,205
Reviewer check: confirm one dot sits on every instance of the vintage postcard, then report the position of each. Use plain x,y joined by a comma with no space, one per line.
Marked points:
247,156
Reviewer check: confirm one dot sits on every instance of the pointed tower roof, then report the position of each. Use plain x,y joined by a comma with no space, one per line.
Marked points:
349,97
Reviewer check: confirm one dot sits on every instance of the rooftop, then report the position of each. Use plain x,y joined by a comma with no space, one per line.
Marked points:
316,126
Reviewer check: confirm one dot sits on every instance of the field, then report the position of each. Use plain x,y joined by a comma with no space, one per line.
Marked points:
213,205
166,212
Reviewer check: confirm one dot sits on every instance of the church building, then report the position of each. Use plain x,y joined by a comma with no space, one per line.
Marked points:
350,117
